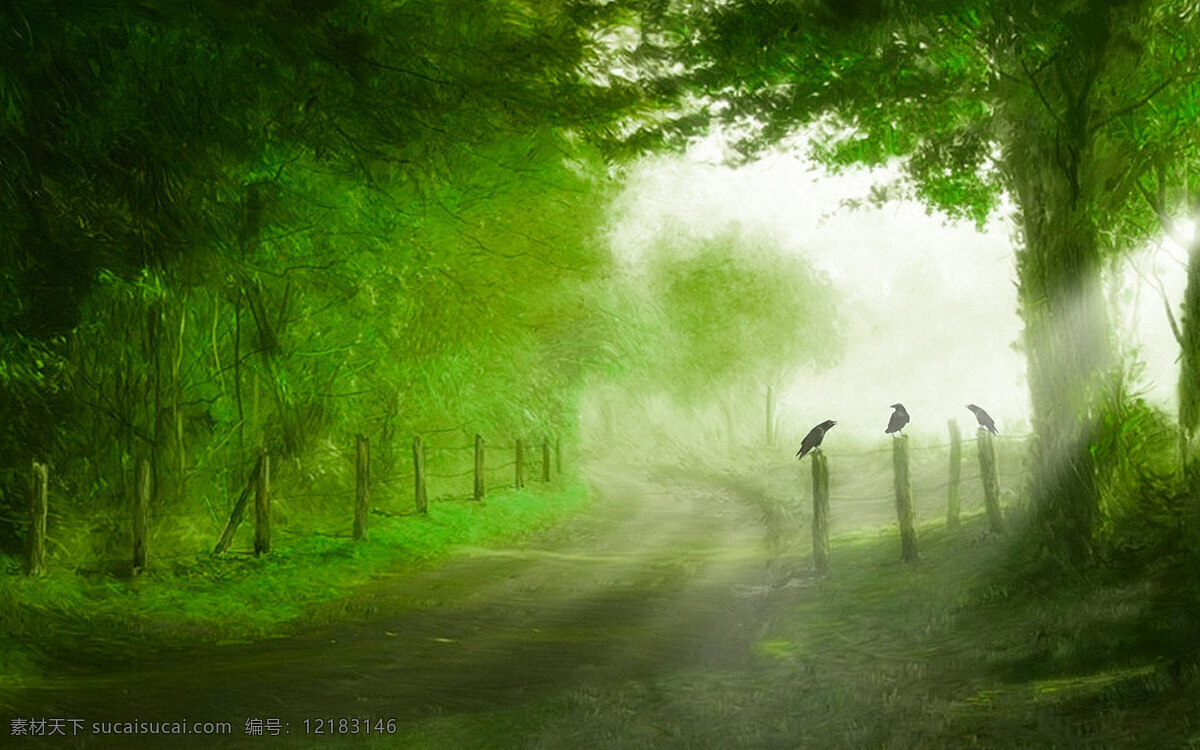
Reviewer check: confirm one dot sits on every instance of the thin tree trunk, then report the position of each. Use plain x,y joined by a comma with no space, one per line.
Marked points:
1189,360
237,387
180,462
262,505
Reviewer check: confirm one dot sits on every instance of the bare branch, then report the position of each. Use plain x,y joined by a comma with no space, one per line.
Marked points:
1143,101
1157,203
404,71
1038,90
1156,282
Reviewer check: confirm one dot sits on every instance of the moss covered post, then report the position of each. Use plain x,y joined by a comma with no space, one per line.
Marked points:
362,486
419,496
904,503
479,489
519,479
991,481
820,520
141,509
35,564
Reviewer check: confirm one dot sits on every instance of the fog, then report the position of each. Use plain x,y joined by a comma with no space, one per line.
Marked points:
929,306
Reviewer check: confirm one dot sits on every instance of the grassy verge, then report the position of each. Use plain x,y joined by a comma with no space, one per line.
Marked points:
954,651
962,650
68,618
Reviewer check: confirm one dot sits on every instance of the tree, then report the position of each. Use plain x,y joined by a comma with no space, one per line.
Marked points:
276,222
1035,99
733,313
737,309
1167,183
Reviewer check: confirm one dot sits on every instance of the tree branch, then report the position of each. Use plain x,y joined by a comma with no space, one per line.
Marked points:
1157,203
1038,90
1156,282
1134,105
404,71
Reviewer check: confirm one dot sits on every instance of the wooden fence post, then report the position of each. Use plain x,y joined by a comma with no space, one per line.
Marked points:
362,485
904,503
478,494
820,520
419,473
991,482
35,564
262,506
953,499
545,459
141,506
520,465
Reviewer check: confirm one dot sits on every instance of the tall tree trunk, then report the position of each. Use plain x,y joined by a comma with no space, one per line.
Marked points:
1067,333
1068,339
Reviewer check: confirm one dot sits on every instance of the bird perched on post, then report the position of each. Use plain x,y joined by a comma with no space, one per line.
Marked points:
898,420
814,437
985,421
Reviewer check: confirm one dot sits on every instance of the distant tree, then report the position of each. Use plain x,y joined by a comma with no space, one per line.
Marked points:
738,313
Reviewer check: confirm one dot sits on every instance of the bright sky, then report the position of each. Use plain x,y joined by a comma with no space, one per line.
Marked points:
930,307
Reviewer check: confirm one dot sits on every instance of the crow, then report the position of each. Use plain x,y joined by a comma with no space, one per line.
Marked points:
898,420
814,437
984,420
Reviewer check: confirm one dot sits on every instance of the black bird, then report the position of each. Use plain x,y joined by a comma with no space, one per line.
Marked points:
814,437
898,420
984,420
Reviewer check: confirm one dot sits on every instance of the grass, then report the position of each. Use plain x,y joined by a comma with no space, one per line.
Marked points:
884,655
965,648
959,650
238,597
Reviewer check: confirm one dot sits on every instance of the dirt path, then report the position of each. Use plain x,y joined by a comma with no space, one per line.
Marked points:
658,575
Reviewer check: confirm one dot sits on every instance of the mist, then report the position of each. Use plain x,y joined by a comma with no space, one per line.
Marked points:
928,305
432,375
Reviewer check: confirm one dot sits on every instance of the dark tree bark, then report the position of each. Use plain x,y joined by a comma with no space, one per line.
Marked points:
1067,336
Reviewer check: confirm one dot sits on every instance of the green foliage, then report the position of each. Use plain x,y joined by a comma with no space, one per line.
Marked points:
1135,450
280,225
736,308
1076,110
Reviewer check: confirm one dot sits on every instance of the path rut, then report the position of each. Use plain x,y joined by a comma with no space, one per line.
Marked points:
659,574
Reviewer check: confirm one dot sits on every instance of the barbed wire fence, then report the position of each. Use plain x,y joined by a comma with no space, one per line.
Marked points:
313,480
988,476
325,480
